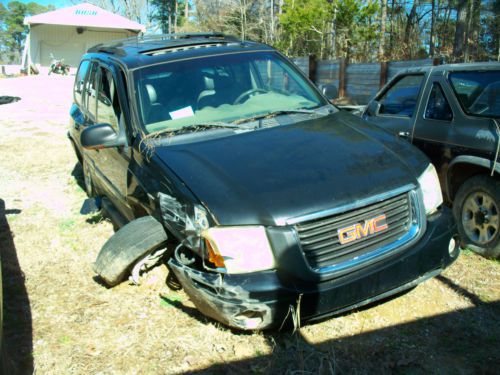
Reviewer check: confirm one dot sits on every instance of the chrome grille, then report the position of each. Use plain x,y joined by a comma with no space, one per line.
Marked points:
320,241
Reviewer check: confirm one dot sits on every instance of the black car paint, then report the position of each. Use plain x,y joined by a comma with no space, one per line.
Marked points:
465,140
266,177
243,183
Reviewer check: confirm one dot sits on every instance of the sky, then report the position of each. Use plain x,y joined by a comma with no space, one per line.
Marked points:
57,3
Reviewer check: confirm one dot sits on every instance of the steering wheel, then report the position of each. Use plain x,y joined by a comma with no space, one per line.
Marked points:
248,93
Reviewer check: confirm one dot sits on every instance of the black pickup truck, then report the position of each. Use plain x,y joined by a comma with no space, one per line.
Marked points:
225,162
452,113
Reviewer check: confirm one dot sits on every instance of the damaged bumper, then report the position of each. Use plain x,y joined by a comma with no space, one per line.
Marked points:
266,299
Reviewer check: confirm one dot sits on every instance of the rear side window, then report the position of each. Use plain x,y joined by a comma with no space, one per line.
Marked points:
401,98
437,106
478,92
80,80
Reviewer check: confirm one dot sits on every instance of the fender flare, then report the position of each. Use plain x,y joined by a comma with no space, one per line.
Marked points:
469,159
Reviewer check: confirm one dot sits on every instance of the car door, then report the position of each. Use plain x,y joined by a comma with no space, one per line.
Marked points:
395,108
443,131
111,164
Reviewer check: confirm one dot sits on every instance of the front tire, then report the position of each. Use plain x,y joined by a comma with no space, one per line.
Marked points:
127,247
477,213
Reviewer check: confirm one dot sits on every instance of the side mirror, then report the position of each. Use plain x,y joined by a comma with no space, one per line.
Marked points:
329,90
100,136
373,108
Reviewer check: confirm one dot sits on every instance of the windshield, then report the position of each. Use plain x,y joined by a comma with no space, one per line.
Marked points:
478,92
220,89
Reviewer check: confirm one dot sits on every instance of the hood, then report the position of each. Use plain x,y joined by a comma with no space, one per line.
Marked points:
271,175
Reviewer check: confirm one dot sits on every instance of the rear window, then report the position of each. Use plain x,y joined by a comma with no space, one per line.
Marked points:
478,92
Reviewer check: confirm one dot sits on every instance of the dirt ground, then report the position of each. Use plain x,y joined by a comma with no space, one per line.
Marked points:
60,320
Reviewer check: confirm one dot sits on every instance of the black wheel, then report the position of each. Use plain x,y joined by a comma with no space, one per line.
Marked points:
477,212
137,246
87,179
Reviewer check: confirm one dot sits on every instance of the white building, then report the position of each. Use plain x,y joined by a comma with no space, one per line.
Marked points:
67,33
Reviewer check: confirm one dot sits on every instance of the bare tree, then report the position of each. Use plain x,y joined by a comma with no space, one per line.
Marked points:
460,28
383,18
433,24
409,26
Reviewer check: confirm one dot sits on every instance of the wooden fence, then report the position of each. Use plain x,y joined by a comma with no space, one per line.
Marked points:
357,82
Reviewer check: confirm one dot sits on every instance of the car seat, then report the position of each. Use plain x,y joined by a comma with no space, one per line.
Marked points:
153,110
207,95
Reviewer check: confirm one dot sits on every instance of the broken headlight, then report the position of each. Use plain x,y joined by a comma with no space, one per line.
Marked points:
187,220
431,189
241,249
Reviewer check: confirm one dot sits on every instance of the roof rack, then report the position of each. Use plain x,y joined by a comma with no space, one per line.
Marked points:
116,46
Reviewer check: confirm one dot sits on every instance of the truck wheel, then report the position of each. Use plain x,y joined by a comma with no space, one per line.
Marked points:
477,212
87,179
131,245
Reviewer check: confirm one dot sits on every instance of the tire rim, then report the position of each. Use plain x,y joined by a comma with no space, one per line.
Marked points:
480,218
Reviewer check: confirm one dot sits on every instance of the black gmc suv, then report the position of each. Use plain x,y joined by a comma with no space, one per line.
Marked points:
452,113
220,158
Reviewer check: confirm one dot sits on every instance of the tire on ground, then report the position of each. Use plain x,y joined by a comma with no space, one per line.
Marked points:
131,243
478,184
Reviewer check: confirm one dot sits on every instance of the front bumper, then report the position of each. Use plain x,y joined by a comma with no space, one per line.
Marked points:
265,299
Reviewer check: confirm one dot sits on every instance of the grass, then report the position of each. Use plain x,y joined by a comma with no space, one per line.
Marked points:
60,320
66,225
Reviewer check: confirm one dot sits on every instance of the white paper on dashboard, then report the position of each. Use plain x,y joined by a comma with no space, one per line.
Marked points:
181,113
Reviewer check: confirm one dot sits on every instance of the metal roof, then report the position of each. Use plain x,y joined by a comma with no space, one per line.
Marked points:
84,15
141,51
453,67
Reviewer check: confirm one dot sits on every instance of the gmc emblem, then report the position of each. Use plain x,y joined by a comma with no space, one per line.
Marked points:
356,231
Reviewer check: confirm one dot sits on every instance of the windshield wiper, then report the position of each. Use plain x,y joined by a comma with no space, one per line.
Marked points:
274,114
196,127
203,125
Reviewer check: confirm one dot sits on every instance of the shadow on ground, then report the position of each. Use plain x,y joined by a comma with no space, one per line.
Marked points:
18,343
461,342
77,174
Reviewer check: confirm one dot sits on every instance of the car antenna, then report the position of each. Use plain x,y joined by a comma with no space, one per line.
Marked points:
498,147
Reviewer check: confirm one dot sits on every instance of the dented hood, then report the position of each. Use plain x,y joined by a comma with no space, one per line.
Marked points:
271,175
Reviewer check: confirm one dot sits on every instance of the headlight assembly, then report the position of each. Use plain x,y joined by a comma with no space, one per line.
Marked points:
239,249
431,190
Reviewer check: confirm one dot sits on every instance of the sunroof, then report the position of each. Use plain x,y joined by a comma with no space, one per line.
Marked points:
182,47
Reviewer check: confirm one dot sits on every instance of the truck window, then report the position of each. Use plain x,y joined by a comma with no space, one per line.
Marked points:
401,98
91,91
478,92
108,106
79,81
437,106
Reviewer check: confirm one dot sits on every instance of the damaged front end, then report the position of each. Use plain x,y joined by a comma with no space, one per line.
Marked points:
225,298
213,264
234,275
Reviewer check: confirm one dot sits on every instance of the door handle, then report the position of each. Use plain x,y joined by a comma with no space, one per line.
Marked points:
404,135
